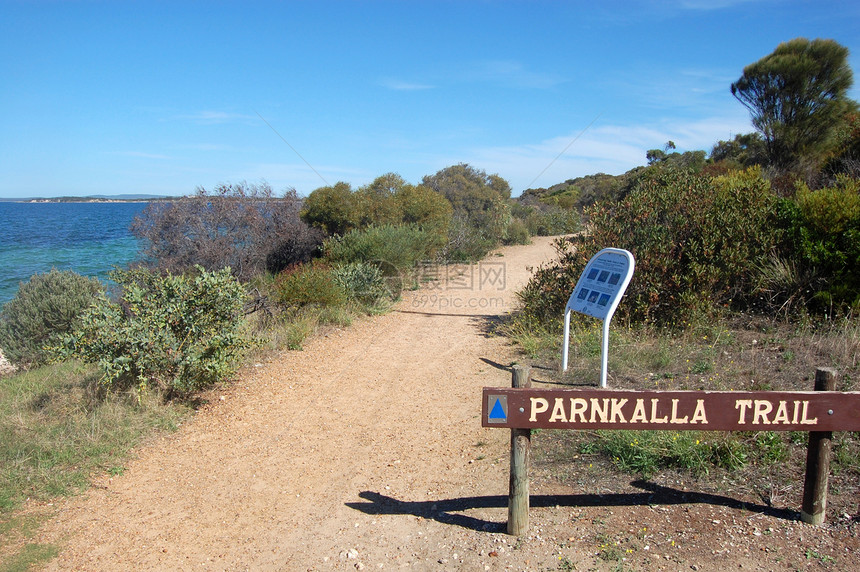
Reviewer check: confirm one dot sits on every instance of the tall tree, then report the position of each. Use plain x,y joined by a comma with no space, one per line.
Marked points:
797,96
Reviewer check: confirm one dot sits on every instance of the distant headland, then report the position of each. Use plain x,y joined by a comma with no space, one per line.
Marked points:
128,198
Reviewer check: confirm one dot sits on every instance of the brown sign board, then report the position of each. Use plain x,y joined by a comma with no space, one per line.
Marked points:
531,408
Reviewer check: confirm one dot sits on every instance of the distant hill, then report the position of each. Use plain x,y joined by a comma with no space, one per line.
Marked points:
581,192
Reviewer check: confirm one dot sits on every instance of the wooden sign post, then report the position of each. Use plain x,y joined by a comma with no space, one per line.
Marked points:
818,412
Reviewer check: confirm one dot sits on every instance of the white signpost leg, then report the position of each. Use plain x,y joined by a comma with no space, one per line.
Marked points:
604,354
564,350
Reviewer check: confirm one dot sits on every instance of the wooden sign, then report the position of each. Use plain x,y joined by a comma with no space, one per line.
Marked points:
670,410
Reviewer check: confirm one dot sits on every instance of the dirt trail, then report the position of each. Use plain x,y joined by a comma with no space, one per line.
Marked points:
356,452
365,451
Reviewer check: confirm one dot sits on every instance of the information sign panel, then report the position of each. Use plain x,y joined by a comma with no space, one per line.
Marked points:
602,283
597,294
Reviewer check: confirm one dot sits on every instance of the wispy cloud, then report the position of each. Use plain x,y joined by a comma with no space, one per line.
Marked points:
139,154
511,73
507,73
209,117
707,5
401,85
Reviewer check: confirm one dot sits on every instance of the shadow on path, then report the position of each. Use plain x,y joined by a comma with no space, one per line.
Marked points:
447,511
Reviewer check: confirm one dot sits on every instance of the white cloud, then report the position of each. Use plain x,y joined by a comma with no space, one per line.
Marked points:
612,149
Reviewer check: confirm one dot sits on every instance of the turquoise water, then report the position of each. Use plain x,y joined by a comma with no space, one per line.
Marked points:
89,238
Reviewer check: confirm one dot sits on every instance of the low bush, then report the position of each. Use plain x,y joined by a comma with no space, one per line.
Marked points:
823,240
309,285
177,334
390,247
550,220
466,242
364,283
517,232
42,312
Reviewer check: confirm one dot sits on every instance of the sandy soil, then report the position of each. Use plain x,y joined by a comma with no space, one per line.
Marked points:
365,451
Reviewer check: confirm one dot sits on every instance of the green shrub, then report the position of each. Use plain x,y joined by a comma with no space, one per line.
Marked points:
389,246
466,242
43,311
552,221
481,209
309,285
364,283
388,200
178,334
517,232
823,238
697,242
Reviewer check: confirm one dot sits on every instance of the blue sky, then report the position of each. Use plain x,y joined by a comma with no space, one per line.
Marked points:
163,97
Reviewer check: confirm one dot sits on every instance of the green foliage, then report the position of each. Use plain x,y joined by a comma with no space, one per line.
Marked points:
309,285
426,208
364,283
481,208
42,312
745,150
845,156
375,204
796,97
696,242
823,236
691,160
387,201
646,452
178,334
331,209
516,233
582,191
391,247
466,242
552,221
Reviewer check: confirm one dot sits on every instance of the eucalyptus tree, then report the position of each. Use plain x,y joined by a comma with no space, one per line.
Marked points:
797,96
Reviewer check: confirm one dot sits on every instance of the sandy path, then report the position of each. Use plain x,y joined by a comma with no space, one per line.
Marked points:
364,451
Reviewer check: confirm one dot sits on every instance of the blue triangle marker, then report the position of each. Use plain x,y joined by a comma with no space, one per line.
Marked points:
498,412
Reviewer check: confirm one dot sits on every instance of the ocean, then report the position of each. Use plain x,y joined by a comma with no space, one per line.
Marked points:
88,238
